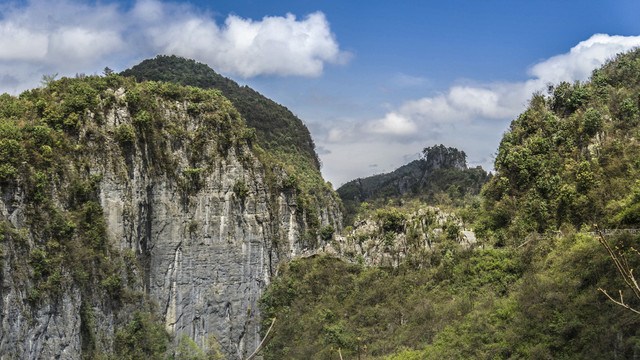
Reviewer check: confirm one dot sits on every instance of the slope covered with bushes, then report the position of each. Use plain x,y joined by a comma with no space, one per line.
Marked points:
278,130
529,289
572,158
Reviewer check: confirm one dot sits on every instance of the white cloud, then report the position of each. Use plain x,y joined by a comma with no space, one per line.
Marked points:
17,43
149,11
498,101
580,61
64,32
337,135
79,44
71,36
394,124
482,102
275,45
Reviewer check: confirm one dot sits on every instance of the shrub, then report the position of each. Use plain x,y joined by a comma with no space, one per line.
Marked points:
143,120
39,262
240,189
113,285
290,182
592,122
144,337
392,220
326,233
191,173
133,99
125,134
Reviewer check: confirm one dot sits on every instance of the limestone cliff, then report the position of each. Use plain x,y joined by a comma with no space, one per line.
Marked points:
153,197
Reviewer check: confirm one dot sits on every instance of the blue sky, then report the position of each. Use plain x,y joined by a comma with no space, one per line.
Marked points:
375,81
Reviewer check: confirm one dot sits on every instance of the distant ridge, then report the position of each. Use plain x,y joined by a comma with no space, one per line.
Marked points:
437,170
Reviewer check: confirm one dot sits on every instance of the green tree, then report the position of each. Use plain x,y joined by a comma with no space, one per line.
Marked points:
143,338
47,79
188,349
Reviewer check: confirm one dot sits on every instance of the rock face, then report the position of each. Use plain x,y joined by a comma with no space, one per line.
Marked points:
208,254
208,240
50,332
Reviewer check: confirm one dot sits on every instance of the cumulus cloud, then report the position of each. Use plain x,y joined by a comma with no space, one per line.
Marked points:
496,101
20,44
79,44
393,124
580,61
73,36
62,33
274,45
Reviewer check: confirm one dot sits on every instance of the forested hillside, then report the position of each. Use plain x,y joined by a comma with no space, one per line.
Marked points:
278,130
572,158
528,289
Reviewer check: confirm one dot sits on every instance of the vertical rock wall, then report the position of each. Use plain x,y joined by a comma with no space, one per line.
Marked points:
207,252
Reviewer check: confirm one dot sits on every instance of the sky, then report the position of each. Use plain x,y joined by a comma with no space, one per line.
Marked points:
374,81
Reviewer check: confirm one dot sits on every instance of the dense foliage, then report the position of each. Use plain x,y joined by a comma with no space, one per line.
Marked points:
571,158
529,290
482,304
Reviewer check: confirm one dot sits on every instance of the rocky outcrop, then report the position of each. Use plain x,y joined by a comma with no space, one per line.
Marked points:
208,240
388,237
442,157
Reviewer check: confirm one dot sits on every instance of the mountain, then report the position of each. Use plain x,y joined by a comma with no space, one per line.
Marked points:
440,170
140,220
144,219
278,130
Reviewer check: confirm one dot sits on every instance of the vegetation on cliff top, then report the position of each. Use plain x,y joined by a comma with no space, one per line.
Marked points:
572,158
278,130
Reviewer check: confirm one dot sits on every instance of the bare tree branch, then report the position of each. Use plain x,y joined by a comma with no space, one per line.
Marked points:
263,339
621,302
626,272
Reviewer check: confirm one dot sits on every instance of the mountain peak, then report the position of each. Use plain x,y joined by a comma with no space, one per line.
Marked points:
440,156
